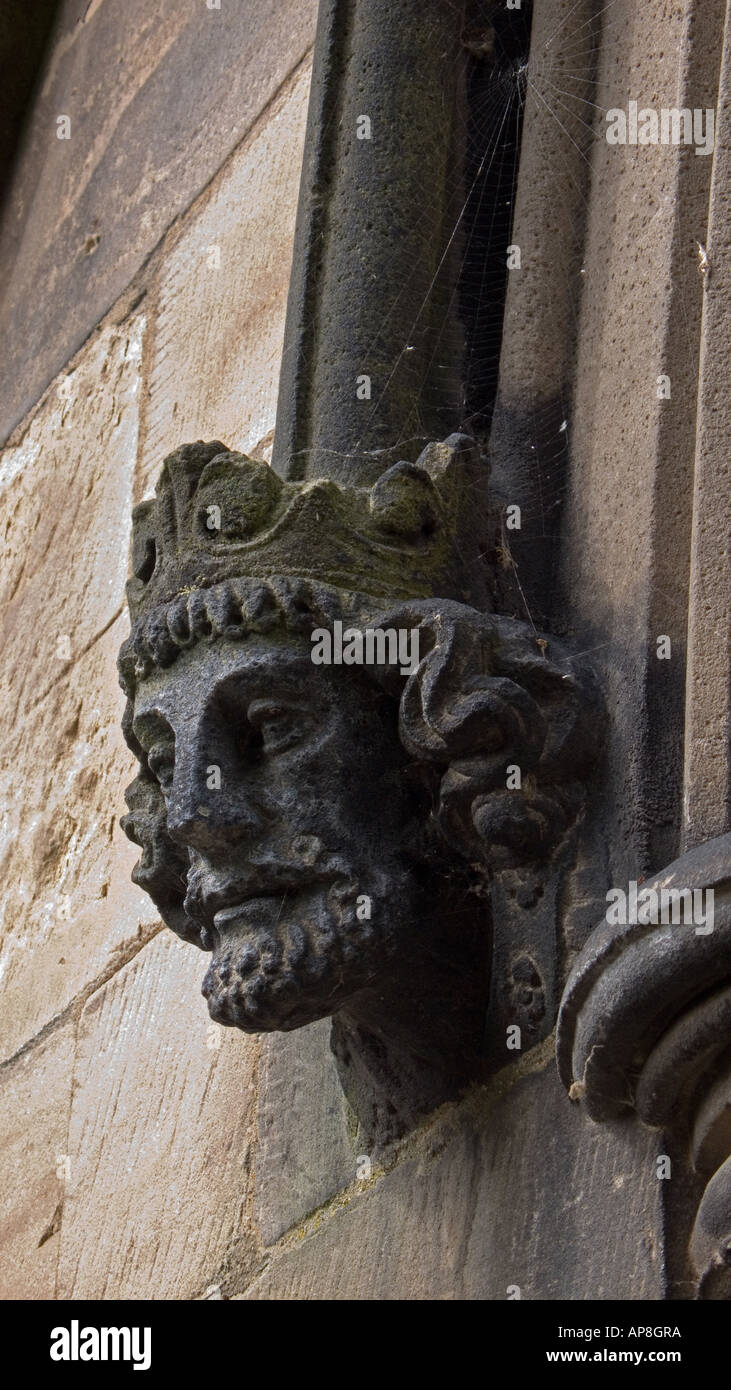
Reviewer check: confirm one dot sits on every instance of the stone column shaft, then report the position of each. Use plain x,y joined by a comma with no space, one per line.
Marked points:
372,290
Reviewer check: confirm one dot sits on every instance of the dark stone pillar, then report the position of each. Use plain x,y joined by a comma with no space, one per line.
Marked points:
372,290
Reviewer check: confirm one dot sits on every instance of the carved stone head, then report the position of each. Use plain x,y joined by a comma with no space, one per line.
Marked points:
299,888
327,832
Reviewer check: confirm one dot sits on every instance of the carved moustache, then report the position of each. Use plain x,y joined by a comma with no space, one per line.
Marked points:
212,900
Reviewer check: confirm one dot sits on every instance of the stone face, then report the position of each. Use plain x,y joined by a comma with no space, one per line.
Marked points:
69,912
524,1193
305,1153
178,88
35,1099
214,369
66,491
274,805
160,1139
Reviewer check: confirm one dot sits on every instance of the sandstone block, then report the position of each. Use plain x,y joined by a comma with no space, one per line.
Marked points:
526,1193
162,1124
69,913
305,1152
178,88
222,297
66,493
35,1097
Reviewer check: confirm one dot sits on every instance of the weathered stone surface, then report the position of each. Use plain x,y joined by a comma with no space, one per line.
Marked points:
528,437
626,541
160,1139
69,913
177,89
547,225
526,1192
35,1098
222,296
614,1043
707,787
66,492
305,1153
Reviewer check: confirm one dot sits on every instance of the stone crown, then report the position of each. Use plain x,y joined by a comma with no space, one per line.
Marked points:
219,515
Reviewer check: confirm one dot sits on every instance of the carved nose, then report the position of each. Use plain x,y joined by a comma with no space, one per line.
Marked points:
205,816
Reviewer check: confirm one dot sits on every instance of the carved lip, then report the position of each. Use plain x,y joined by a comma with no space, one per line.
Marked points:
233,910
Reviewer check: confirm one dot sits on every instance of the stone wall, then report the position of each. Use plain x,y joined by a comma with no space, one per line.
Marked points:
148,1153
147,262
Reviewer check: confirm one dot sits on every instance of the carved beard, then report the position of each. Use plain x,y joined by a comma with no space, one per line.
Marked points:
282,963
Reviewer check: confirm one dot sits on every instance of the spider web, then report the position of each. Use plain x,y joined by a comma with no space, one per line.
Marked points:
507,73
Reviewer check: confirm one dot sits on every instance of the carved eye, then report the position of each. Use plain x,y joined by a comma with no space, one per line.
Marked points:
280,727
161,762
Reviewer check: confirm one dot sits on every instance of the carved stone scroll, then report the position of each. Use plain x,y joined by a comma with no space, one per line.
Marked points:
645,1027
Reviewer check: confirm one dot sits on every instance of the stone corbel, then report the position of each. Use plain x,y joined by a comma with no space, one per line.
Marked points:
345,839
645,1029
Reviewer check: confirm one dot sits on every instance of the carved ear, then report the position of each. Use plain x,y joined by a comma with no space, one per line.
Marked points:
566,692
163,867
510,721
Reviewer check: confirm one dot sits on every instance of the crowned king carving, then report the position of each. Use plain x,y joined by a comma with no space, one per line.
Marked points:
328,834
